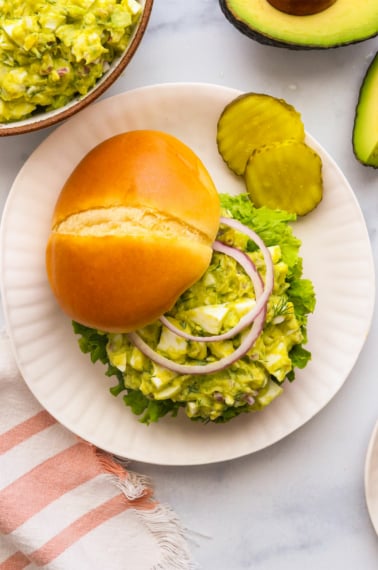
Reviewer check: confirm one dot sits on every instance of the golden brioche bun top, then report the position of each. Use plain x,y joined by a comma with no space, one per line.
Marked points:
143,169
132,229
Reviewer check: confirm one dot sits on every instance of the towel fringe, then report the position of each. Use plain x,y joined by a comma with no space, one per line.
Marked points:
134,486
160,520
164,525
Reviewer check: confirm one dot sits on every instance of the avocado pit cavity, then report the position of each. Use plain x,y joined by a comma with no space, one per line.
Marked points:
301,7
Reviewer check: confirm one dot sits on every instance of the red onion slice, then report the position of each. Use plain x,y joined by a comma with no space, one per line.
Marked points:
196,369
247,319
248,340
251,271
269,269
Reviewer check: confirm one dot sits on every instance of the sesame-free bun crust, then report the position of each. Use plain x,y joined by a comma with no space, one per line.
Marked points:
132,229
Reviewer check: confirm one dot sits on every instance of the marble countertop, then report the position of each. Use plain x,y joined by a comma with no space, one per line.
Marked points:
301,502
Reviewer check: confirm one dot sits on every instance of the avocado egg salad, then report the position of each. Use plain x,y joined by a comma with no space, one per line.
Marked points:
52,51
232,339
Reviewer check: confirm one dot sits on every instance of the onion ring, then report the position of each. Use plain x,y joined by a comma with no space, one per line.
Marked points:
194,369
249,317
251,271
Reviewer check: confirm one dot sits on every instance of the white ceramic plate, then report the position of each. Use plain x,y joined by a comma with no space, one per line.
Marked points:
371,477
337,257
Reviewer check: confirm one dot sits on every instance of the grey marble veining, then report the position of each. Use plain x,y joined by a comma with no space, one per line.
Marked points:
300,503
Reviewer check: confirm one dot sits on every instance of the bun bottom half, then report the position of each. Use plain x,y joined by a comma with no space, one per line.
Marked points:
99,286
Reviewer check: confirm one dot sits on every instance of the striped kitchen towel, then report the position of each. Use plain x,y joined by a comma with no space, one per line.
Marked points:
66,505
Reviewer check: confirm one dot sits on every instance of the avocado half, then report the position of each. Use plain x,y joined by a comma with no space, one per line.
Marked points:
344,22
365,129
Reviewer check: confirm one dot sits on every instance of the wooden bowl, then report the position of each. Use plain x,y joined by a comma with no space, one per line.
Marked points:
49,118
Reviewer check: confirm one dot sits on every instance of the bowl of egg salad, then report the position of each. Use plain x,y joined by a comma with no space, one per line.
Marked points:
56,57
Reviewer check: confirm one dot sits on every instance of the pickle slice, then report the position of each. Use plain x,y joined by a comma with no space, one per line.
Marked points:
252,120
285,176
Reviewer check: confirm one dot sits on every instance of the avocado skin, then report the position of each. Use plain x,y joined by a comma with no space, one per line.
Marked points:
370,74
266,40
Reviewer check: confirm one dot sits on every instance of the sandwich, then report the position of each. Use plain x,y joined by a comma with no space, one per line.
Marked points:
192,298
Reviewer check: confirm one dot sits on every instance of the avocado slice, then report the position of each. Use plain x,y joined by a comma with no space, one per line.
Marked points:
344,22
365,129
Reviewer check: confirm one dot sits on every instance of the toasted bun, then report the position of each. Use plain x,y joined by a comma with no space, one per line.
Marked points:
132,230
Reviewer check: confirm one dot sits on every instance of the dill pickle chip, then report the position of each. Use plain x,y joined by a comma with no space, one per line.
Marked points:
252,120
285,175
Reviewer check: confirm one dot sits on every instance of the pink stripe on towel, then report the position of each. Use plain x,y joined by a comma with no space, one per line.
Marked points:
24,430
17,561
49,551
41,485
